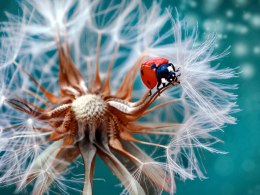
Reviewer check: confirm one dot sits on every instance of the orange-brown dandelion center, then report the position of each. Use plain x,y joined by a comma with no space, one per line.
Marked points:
89,108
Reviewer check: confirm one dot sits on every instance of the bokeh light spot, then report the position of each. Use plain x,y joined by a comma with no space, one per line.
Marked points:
240,49
255,21
247,70
256,50
229,13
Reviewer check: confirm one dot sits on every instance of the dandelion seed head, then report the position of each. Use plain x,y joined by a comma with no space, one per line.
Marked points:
70,89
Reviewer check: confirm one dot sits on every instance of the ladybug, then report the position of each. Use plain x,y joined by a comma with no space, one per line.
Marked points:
158,71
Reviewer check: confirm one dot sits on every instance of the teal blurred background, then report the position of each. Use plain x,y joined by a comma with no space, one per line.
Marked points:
237,23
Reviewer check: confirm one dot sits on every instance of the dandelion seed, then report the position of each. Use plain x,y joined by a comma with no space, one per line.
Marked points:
70,93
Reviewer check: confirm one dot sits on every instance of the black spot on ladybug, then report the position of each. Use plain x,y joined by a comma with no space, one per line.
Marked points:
148,82
142,72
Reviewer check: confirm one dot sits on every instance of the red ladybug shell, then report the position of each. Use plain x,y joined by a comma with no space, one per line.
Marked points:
147,74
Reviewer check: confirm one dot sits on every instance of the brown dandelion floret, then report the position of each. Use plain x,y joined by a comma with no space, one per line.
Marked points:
90,121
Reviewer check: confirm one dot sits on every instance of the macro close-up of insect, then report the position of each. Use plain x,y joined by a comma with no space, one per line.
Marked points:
158,70
115,97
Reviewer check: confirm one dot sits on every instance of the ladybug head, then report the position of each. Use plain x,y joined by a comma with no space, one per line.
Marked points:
172,77
173,73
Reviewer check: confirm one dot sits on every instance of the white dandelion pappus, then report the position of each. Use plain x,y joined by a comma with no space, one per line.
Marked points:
67,62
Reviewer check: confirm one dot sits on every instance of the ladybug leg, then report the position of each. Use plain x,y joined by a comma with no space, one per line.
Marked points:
164,81
174,77
158,85
164,84
150,92
178,74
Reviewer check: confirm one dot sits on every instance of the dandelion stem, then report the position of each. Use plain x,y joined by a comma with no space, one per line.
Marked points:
130,183
37,97
97,80
161,105
88,153
128,137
